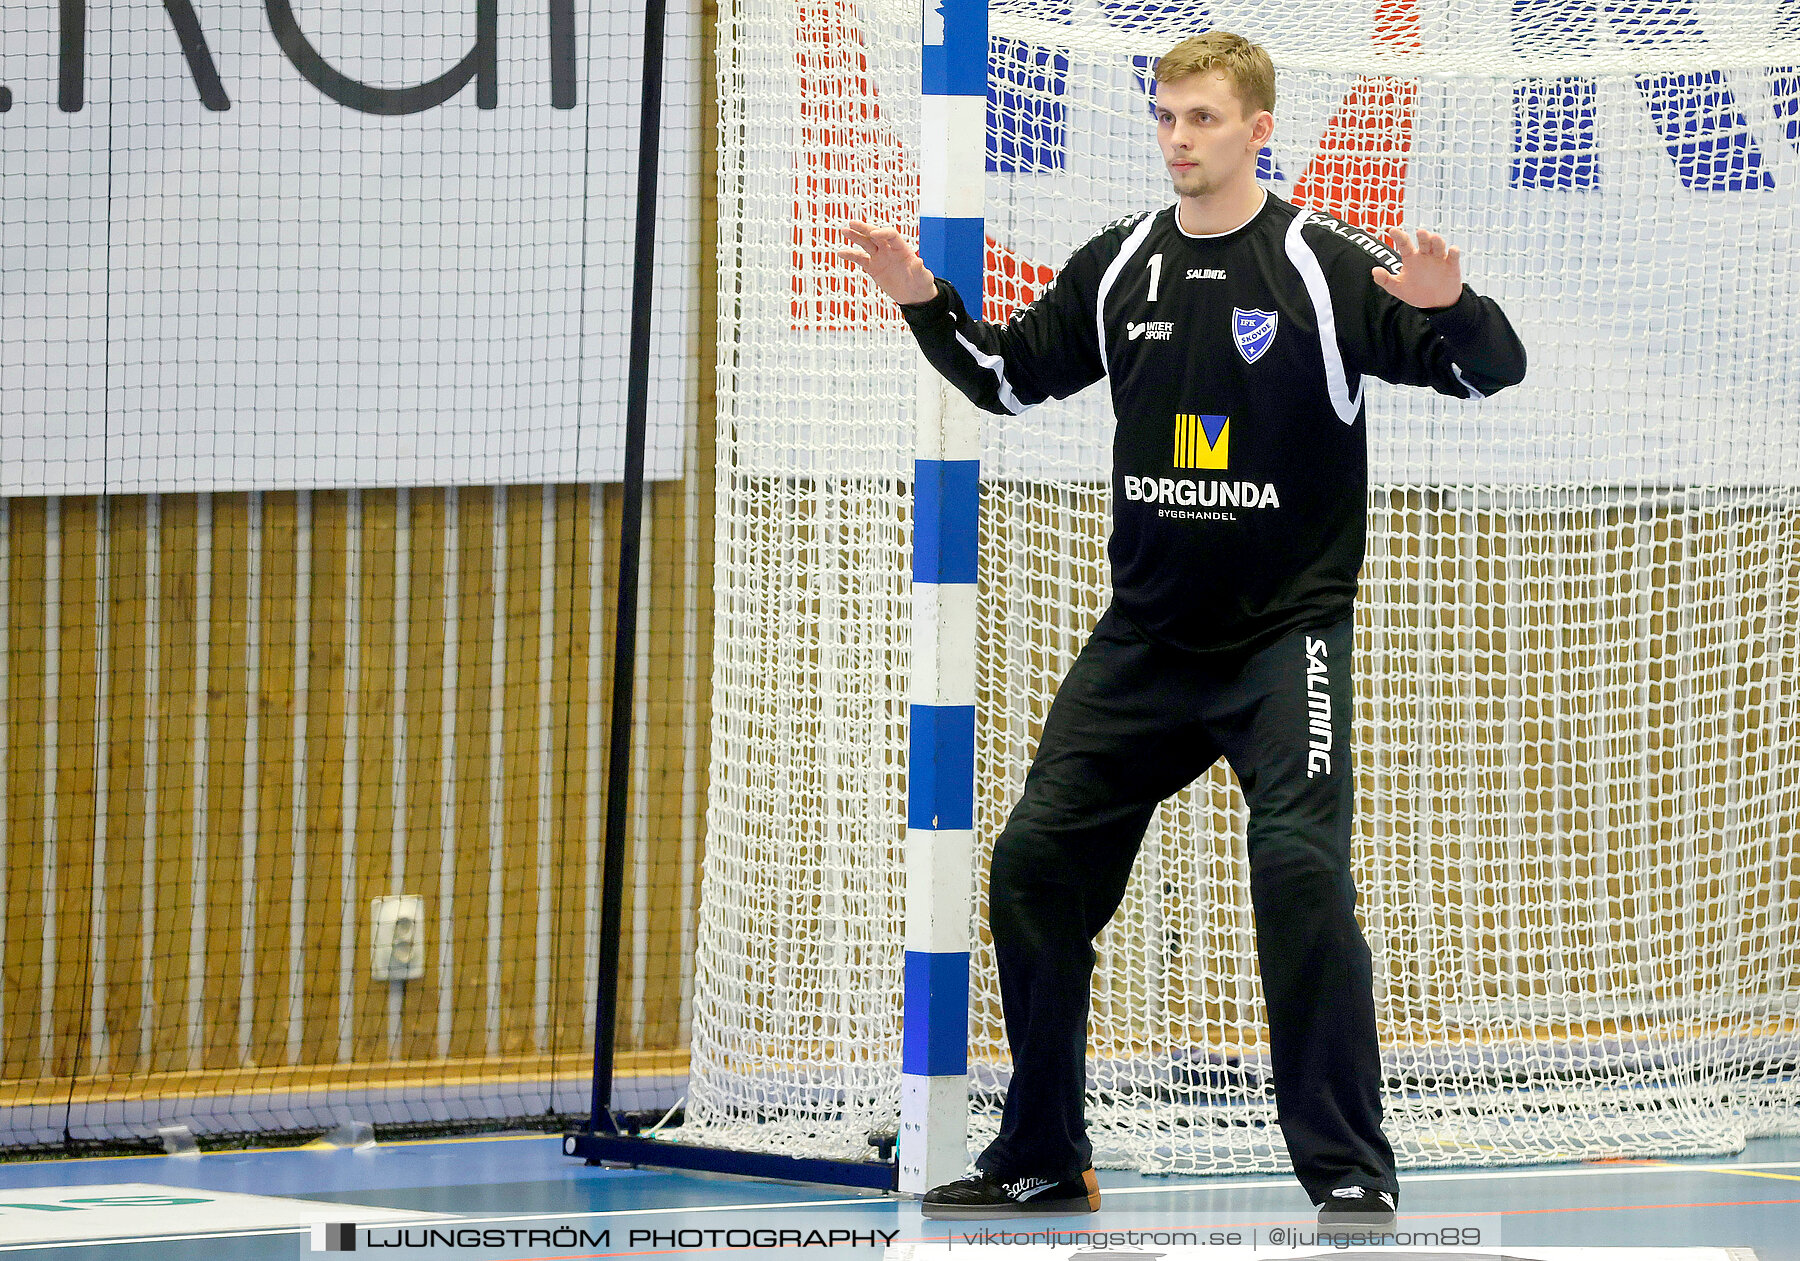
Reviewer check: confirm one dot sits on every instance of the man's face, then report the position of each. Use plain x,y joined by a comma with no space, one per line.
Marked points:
1209,138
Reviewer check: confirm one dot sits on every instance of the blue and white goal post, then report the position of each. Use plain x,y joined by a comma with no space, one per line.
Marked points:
940,812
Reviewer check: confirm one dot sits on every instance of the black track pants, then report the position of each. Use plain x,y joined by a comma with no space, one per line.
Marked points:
1135,722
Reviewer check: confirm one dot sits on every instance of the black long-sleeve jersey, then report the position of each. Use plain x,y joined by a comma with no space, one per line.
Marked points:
1240,471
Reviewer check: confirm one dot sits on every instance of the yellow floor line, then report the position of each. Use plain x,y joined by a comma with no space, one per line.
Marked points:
1748,1173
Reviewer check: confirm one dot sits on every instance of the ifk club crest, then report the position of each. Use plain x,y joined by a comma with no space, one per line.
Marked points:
1254,332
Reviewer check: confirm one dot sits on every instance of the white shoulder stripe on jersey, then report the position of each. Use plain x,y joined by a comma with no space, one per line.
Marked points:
996,365
1337,381
1473,392
1132,242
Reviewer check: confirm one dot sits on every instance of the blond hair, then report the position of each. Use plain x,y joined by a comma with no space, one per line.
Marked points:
1245,65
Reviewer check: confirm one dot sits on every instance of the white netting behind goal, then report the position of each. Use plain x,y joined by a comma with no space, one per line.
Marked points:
1578,724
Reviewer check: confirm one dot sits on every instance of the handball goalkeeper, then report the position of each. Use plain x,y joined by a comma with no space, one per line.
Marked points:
1235,330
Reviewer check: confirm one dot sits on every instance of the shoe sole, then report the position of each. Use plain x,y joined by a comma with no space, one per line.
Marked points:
1067,1206
1030,1208
1357,1221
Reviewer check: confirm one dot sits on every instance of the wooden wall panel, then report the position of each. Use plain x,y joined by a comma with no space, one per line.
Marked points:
79,746
128,771
233,637
281,704
231,721
30,686
515,874
667,703
178,888
331,797
376,721
472,904
427,632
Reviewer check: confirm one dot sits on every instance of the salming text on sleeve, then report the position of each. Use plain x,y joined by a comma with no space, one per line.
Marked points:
1466,350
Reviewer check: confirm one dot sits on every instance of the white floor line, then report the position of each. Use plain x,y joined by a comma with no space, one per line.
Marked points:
1286,1183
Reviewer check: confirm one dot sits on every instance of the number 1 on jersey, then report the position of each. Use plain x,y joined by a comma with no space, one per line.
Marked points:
1155,275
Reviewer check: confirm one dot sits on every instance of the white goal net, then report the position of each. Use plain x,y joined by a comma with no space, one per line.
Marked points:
1578,719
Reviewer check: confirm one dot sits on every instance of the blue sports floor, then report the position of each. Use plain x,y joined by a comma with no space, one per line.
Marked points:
1748,1201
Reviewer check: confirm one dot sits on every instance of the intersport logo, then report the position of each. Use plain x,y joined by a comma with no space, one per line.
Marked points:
1151,330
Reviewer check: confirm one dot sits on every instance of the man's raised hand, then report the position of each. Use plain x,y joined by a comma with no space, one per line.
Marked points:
1430,276
891,263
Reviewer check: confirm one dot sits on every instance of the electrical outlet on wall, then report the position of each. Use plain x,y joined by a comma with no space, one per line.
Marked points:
397,942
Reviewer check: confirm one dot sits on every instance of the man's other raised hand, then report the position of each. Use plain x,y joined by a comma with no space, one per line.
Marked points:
892,264
1430,276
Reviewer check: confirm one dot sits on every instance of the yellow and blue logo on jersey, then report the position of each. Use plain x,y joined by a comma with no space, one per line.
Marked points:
1202,441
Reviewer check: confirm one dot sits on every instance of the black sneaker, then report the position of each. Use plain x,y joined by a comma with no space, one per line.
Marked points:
981,1196
1358,1206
